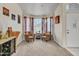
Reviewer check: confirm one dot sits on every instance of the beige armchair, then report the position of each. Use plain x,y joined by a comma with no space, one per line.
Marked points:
29,37
46,36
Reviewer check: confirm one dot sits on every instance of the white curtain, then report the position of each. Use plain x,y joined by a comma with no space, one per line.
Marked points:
48,25
28,24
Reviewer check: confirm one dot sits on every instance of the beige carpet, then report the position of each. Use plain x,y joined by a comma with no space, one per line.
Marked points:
40,48
74,50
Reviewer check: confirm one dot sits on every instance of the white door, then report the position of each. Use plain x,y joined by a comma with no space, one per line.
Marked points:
72,30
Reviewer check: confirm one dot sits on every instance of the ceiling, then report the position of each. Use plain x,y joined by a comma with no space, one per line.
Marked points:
38,9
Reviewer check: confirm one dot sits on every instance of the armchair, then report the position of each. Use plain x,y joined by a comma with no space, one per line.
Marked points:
29,37
46,36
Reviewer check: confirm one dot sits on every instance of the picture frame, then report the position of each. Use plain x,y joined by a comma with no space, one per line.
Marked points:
13,17
19,19
5,11
57,19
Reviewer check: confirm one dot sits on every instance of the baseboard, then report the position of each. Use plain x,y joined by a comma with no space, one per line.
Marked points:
70,51
58,43
19,43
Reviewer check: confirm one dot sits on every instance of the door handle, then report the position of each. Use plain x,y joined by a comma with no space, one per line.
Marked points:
67,32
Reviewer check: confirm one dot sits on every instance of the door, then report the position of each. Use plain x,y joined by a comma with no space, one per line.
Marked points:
72,30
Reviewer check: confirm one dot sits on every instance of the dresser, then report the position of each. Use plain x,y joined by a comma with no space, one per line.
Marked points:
38,36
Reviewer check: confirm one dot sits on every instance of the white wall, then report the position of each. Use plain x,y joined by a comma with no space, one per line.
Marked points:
6,21
58,27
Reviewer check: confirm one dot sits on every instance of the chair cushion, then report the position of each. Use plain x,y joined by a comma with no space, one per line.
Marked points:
30,36
44,36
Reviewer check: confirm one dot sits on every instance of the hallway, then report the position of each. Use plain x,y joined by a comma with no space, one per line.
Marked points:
40,48
58,22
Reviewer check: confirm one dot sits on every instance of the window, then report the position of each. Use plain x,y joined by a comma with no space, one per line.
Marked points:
37,25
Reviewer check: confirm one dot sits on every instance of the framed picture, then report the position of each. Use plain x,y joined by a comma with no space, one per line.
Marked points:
13,17
5,11
19,19
57,19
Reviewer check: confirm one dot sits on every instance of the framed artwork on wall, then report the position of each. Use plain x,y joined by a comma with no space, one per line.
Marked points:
57,19
19,19
5,11
13,17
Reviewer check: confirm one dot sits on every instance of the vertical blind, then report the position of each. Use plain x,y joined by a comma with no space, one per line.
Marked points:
44,25
28,24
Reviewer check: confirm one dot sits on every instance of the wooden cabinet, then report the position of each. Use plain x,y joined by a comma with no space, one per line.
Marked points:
38,36
7,46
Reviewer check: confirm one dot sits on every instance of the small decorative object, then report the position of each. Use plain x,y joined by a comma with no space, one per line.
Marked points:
19,20
5,11
13,16
57,19
9,31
